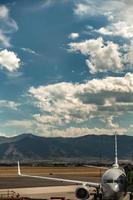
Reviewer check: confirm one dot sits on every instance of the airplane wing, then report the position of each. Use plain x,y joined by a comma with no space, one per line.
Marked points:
91,184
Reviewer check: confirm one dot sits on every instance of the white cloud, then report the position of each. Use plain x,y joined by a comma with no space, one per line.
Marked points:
110,84
3,134
9,60
60,101
103,56
61,96
26,124
74,36
7,26
46,4
82,9
4,40
119,28
119,24
64,104
11,26
91,8
3,12
47,119
118,13
110,123
76,132
16,127
29,51
9,104
129,55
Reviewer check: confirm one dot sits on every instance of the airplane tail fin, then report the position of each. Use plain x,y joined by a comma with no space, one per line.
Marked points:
19,172
116,152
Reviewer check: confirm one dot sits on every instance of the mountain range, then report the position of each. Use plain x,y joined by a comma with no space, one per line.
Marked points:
30,147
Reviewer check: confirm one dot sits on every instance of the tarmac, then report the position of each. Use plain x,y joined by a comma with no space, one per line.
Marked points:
41,189
66,192
48,193
44,189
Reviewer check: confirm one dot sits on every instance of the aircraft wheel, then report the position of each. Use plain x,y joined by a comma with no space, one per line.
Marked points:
131,196
98,196
95,196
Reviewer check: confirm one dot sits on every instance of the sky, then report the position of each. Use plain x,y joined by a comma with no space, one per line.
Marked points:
66,67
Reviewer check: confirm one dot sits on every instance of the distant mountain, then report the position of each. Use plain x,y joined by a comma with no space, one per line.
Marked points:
31,147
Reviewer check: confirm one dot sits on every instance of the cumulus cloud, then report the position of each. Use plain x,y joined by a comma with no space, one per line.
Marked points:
74,36
118,28
111,84
102,56
118,13
9,60
110,94
60,101
64,104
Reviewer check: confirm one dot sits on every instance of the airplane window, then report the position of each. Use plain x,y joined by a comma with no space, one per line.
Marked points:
121,181
118,181
109,181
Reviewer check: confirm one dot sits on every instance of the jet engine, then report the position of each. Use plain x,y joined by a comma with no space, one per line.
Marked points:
82,193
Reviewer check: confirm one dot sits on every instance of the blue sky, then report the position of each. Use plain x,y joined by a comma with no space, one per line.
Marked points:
66,67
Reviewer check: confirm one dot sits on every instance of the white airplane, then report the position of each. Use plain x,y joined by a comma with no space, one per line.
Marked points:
112,186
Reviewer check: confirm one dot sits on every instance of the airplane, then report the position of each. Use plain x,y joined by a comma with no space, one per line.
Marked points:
113,183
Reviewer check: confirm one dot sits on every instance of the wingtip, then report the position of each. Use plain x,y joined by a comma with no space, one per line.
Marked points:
19,172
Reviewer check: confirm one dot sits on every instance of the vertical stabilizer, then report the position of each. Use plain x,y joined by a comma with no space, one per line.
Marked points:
116,152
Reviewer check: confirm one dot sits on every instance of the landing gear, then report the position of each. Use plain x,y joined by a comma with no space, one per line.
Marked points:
131,196
98,195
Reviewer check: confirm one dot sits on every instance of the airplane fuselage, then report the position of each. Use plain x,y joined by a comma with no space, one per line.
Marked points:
113,183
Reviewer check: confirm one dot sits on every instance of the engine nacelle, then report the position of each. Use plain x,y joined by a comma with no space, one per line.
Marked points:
82,193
